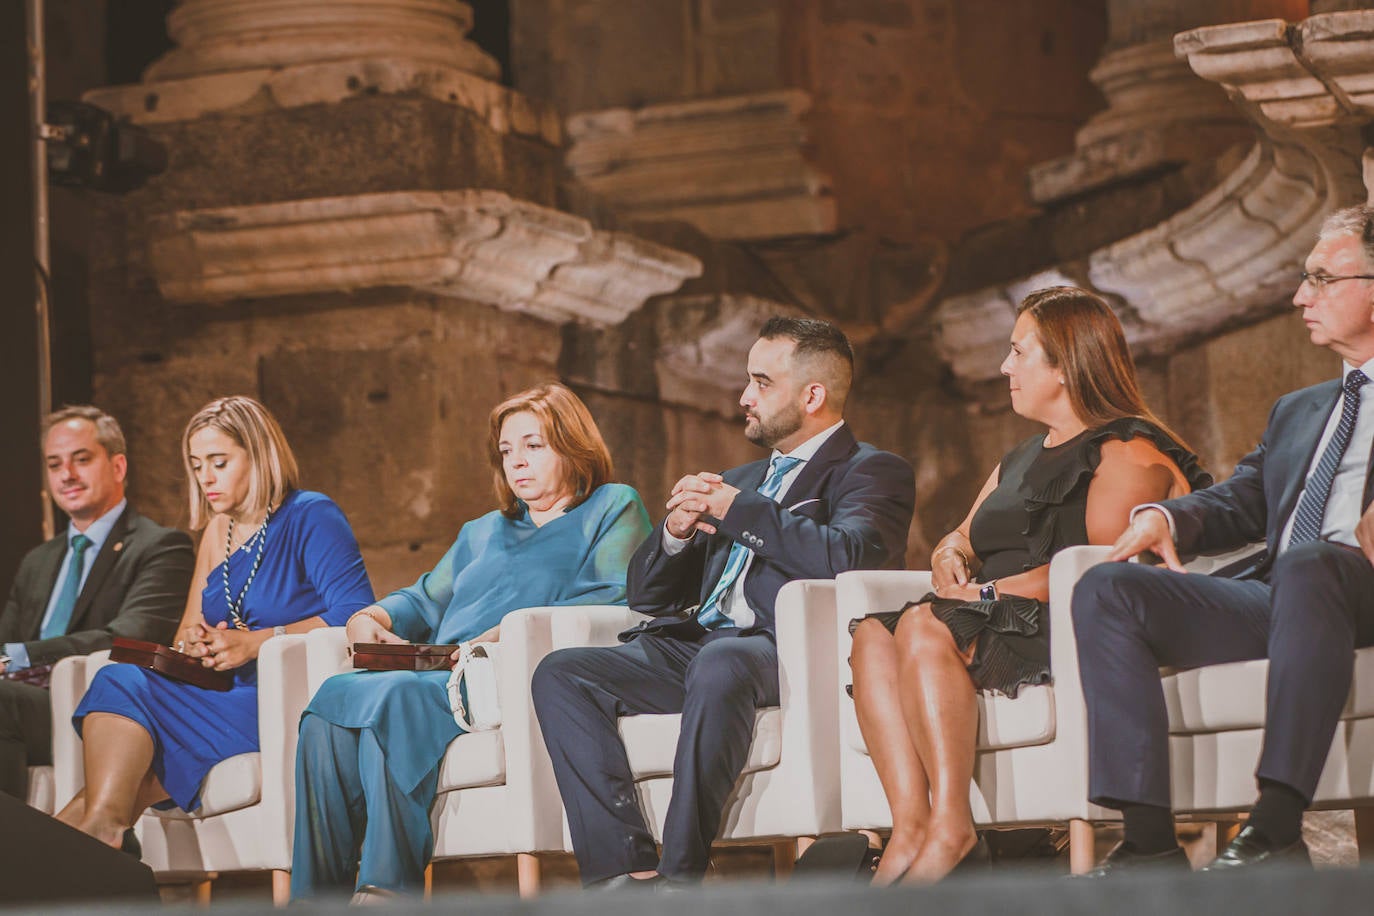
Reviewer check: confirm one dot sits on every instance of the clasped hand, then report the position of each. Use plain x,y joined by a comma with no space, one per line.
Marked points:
950,575
222,647
695,496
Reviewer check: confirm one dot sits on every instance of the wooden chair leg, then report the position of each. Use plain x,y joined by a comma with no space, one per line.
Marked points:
803,844
1364,833
281,887
1082,846
527,874
429,881
784,857
200,891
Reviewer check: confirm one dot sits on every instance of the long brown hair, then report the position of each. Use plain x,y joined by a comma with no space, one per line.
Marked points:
1082,336
571,433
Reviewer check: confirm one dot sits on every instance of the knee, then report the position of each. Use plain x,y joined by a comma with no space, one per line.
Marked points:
1318,559
920,634
1101,594
869,636
554,675
720,680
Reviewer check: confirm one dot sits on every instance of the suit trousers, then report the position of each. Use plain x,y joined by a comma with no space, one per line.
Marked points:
352,820
716,683
1131,619
25,734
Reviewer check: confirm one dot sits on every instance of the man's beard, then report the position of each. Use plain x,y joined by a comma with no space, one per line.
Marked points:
768,433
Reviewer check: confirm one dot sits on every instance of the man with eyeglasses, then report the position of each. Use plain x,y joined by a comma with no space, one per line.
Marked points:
1306,604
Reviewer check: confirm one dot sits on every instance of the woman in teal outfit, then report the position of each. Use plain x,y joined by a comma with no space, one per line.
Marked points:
371,742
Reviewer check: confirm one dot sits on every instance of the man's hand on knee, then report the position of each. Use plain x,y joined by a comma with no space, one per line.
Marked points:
1149,530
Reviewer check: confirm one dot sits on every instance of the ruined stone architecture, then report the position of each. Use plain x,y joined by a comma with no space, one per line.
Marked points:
381,228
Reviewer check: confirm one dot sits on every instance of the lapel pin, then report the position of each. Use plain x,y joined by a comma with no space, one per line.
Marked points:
118,546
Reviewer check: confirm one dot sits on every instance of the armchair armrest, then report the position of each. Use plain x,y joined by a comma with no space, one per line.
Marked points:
808,675
592,625
283,692
326,654
67,685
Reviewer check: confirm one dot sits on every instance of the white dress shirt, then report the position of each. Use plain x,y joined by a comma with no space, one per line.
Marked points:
739,612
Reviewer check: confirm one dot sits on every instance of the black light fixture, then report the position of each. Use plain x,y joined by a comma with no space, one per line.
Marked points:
89,148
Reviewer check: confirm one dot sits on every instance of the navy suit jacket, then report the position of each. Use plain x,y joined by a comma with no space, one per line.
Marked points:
1259,497
849,508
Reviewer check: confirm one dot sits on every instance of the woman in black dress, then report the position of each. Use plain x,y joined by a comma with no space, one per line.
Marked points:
985,627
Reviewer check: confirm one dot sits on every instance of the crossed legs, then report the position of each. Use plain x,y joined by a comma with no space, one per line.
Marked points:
923,745
120,784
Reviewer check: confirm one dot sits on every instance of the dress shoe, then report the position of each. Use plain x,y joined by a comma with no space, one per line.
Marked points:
1250,847
372,895
1124,859
626,882
130,845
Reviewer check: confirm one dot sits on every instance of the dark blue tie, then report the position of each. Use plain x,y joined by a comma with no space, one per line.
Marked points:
1307,520
711,616
71,587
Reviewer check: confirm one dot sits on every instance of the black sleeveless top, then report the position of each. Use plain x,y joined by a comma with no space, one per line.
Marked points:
1039,507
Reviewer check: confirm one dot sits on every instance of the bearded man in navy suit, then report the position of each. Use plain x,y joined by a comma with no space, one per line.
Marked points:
709,577
1306,605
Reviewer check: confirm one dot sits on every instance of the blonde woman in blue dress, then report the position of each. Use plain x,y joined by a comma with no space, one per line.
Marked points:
371,742
273,559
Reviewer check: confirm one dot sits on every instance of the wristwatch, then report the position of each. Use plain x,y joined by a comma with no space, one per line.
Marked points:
988,592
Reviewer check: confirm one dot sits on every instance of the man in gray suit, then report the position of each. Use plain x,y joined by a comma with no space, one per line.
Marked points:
112,573
1306,491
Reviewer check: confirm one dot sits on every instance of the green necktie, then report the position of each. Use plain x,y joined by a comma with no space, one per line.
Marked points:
71,587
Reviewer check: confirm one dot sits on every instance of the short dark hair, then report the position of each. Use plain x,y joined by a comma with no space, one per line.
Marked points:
107,431
812,335
822,346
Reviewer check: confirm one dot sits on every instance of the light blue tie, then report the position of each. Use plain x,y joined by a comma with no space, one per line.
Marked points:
711,616
71,587
1307,519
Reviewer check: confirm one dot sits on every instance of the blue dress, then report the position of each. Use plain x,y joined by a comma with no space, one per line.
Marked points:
496,566
311,567
371,741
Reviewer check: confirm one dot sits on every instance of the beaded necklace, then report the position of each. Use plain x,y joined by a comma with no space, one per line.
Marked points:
237,605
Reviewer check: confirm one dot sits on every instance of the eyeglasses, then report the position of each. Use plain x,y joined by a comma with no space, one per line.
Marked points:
1319,282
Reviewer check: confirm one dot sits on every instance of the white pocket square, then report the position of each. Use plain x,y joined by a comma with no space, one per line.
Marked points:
804,502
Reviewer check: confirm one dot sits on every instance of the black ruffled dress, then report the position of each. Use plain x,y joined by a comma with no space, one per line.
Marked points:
1038,508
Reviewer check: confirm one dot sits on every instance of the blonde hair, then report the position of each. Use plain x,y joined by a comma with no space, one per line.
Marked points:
271,464
571,433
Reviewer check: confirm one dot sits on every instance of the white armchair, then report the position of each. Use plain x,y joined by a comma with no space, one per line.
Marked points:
497,794
247,809
790,785
66,685
1032,763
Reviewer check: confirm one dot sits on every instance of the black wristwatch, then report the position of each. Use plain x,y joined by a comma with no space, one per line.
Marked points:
988,592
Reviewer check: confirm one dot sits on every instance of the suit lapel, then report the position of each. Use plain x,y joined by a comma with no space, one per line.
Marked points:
1308,424
837,448
110,552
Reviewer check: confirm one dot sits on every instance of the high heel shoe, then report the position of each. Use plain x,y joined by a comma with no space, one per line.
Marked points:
129,844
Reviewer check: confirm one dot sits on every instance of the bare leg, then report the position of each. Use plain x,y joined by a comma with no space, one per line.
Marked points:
875,664
941,706
75,810
119,759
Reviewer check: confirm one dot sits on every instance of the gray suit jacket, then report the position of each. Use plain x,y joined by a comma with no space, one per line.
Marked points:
137,588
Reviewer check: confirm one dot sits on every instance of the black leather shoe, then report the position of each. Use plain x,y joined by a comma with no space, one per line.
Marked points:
130,845
1250,847
1124,858
626,883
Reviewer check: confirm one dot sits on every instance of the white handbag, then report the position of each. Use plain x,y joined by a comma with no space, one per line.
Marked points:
472,688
